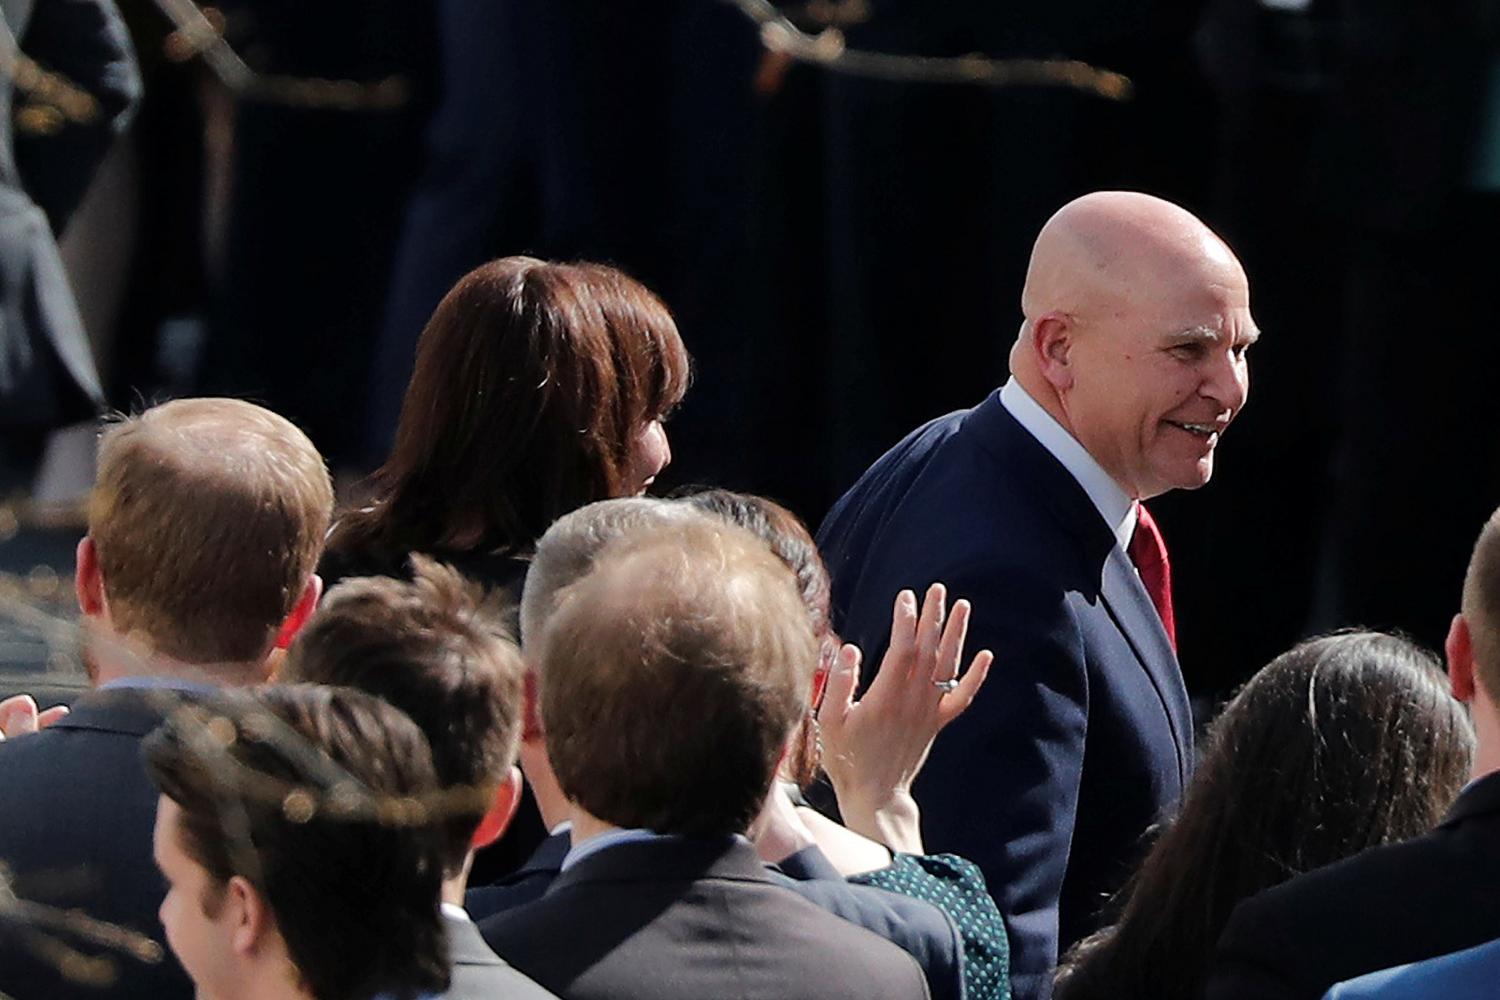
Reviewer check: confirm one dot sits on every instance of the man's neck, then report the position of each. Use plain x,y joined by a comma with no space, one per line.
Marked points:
586,827
113,658
1486,719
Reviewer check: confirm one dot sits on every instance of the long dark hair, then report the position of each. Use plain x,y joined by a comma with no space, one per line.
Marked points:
1345,742
532,380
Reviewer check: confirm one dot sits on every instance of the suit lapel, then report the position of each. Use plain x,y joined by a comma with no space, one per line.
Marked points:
465,944
1140,623
1120,587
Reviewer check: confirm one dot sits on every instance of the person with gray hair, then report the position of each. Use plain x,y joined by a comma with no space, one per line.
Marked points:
564,554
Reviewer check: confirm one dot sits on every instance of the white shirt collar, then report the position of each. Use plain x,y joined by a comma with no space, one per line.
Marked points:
1112,503
455,912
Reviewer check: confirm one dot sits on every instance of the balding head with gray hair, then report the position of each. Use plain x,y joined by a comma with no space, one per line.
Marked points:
567,551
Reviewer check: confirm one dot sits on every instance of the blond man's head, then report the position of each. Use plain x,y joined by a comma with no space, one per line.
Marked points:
206,522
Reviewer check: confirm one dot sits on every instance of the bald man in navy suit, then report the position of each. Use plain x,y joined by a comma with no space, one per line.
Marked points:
1129,366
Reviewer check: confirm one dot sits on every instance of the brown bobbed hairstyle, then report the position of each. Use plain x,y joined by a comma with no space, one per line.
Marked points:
300,789
532,383
207,518
436,648
1343,743
672,677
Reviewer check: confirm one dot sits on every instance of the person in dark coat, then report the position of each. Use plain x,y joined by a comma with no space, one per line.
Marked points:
47,372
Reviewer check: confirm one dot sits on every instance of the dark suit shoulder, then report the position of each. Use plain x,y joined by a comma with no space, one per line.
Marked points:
1387,906
919,928
83,842
525,884
480,974
627,935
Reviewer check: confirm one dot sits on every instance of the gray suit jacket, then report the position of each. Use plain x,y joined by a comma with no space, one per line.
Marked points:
480,974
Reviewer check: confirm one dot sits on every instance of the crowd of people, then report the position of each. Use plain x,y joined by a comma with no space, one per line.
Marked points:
842,249
514,727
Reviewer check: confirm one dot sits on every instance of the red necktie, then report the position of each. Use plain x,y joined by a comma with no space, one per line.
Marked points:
1149,553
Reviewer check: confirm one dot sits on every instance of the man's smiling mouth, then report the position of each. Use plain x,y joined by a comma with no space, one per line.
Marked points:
1208,431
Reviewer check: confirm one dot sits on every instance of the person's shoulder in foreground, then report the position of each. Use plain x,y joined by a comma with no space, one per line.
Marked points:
478,973
714,907
1390,905
1471,974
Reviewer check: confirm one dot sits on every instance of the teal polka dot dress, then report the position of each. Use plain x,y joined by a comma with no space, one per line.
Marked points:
956,887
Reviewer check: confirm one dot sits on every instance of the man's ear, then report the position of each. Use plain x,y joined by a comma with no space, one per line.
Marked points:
1051,346
249,918
1460,650
502,810
301,611
819,685
88,584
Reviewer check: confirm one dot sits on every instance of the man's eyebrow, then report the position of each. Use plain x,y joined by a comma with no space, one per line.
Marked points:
1207,334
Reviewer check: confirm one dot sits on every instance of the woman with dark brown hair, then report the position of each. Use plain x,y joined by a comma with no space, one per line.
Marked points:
538,388
1343,743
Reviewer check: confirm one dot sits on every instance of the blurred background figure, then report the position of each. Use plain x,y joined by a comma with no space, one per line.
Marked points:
68,83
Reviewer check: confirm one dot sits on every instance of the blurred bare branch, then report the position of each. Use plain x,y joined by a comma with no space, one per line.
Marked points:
828,49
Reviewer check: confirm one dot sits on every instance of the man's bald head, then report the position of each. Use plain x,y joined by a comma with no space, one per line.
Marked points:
1110,248
1136,320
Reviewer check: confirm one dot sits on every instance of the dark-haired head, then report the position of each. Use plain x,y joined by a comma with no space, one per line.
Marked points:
311,799
437,648
538,388
1343,743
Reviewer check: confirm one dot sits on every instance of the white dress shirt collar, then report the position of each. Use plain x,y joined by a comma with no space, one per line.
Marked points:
1112,503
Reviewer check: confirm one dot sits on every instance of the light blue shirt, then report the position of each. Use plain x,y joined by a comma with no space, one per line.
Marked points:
1471,974
158,682
1112,503
594,845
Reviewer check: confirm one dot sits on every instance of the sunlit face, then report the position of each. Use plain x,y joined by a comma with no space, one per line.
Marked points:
649,454
201,940
1155,385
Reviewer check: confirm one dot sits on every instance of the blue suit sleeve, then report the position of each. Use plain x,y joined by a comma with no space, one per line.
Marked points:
1001,786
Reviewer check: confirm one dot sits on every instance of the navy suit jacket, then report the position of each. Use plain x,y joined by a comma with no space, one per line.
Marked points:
522,885
690,918
1384,907
76,834
1081,738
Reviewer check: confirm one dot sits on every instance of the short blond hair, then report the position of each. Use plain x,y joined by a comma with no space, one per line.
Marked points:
672,676
208,518
1481,605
